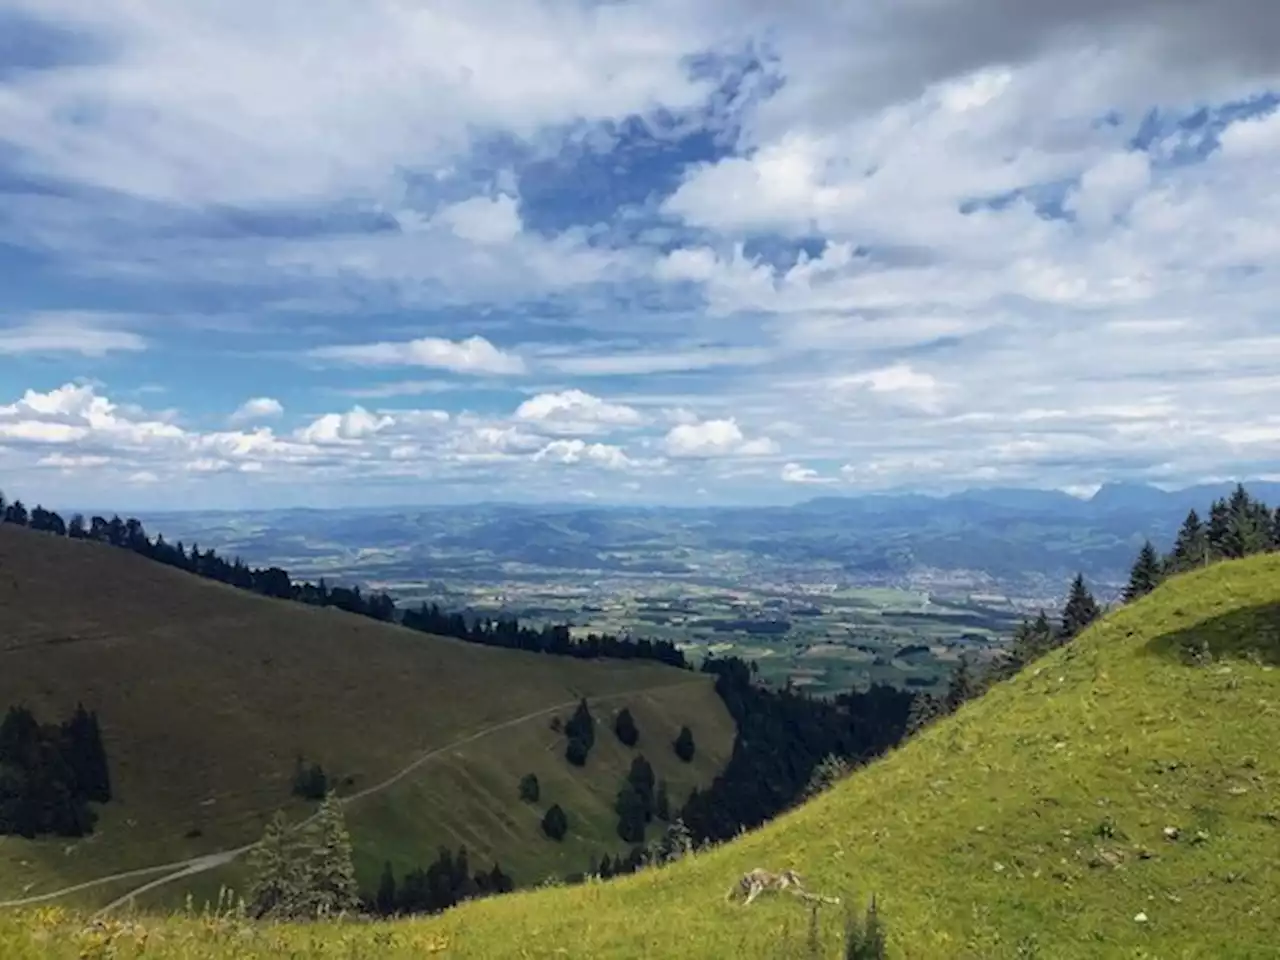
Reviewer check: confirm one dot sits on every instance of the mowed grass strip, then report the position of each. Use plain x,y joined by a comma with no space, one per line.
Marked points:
207,693
1119,799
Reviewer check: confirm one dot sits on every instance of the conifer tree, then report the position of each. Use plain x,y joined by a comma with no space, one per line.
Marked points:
630,810
385,901
530,791
1145,574
1275,530
925,708
1080,610
624,725
964,685
662,803
277,886
641,777
1191,548
331,886
554,822
1218,532
683,745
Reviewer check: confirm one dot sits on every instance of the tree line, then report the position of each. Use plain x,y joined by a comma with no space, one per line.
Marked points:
50,773
276,582
1239,525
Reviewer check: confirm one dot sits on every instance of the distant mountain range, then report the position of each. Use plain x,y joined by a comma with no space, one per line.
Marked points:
1025,542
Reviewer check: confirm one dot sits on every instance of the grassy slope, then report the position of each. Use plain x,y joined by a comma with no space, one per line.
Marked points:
206,693
978,836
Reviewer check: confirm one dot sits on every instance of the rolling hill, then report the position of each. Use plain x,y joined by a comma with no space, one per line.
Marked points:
207,694
1119,798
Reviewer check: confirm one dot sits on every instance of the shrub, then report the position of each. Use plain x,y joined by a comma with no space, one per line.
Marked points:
310,782
865,940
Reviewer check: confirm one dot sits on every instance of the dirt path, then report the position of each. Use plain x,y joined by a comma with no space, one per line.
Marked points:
211,861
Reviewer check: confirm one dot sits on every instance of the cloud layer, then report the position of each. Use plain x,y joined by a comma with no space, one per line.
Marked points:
634,250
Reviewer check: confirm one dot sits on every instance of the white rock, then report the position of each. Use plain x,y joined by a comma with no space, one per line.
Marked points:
1140,918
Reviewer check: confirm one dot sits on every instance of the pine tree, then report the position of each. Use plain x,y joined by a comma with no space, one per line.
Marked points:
1191,549
529,789
630,810
554,822
385,901
331,887
624,725
830,770
866,940
925,708
641,777
662,803
1145,574
1275,530
1080,611
1218,533
964,685
684,745
277,887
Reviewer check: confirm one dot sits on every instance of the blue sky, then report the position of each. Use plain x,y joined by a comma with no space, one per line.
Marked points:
386,251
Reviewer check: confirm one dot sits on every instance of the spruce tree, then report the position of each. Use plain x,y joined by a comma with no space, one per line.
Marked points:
641,777
385,901
684,745
964,685
331,887
1218,533
1191,548
1275,530
630,810
662,803
624,725
1080,610
277,886
529,788
554,822
1145,574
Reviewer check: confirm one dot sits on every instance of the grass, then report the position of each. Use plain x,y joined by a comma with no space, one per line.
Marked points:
1030,824
207,693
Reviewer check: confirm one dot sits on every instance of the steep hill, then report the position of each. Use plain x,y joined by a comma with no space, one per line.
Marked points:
1120,798
207,694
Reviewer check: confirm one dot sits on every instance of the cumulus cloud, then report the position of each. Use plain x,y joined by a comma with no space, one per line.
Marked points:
577,451
576,412
796,473
472,355
981,240
257,408
715,438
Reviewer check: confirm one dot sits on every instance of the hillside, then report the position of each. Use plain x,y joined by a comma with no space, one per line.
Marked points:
207,694
1030,824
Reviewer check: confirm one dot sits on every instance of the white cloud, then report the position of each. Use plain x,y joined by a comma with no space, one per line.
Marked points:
225,105
484,221
356,424
472,355
257,408
796,473
577,451
715,438
576,412
79,332
900,381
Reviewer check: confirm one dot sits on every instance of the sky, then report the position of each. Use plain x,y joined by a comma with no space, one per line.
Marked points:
327,252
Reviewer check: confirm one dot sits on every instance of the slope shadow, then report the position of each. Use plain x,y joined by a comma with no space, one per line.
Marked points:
1250,633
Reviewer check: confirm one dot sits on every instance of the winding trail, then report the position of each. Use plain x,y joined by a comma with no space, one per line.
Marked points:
211,861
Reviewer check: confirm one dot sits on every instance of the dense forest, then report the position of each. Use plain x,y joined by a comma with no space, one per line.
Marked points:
276,582
49,774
